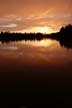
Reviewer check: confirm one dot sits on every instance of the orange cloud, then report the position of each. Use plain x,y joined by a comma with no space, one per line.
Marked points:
17,15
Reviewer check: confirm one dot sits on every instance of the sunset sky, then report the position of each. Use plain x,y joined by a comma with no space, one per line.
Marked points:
34,15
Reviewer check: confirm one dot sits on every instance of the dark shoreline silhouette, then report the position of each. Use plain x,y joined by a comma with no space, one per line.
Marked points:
64,36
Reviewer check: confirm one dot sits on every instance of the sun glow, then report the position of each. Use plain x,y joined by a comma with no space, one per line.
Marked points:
44,29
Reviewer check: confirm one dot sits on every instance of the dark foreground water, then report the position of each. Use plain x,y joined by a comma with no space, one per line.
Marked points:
34,73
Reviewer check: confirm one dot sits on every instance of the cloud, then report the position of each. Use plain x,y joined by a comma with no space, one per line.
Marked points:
10,19
47,18
44,14
10,22
8,26
50,16
5,20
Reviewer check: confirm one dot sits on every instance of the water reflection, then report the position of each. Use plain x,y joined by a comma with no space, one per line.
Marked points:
35,52
66,43
32,70
43,42
37,43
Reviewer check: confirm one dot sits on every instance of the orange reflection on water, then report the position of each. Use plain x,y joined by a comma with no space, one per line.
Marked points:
36,43
36,56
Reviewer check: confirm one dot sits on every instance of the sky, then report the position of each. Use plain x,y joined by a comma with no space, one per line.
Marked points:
44,16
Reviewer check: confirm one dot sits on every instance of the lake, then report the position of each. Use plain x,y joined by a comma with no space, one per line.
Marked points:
35,72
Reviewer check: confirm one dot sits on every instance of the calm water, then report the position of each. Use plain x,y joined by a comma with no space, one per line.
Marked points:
35,72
